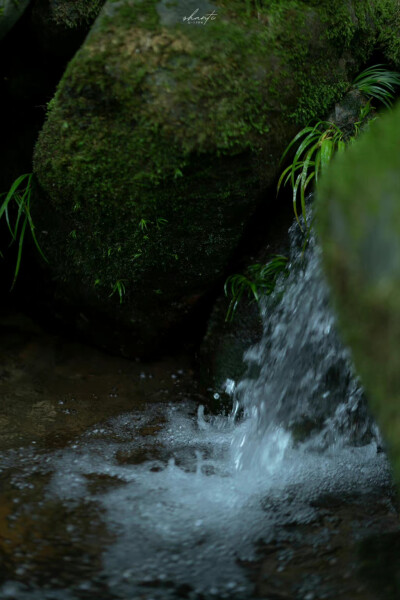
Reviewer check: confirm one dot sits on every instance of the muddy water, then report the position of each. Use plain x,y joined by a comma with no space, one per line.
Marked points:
114,486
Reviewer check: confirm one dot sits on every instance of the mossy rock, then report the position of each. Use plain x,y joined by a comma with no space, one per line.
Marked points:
163,137
359,226
61,25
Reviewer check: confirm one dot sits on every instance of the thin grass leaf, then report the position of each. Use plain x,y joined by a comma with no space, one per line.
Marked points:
254,291
305,180
21,210
295,188
326,153
303,204
307,142
310,178
8,222
294,140
378,82
32,228
22,198
20,245
364,74
12,191
317,166
287,170
261,279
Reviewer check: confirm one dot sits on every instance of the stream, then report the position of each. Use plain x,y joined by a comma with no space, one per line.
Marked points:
117,484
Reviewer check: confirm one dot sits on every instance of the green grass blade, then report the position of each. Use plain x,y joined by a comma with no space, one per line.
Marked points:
20,245
287,170
303,204
21,210
317,165
295,188
5,212
378,82
294,140
12,191
326,153
32,228
305,144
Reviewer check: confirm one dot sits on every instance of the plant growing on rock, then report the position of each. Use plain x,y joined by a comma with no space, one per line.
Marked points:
19,194
315,145
379,83
120,289
259,279
318,143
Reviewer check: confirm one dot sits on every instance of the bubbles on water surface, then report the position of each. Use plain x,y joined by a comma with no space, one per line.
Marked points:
186,515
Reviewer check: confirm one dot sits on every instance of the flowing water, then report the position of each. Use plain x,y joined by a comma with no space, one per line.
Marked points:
161,501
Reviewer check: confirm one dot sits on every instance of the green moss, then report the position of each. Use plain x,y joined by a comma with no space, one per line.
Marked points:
79,154
141,13
74,14
389,39
184,123
359,224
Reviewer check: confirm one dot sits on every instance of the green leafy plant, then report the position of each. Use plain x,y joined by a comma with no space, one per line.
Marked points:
379,83
160,222
316,146
19,195
143,224
317,143
120,289
259,279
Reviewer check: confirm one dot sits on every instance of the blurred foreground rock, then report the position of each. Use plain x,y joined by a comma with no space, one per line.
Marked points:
359,226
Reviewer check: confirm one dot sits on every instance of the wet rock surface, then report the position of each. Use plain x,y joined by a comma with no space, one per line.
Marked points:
338,555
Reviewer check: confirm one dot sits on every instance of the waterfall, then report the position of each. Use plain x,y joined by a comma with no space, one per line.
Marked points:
300,386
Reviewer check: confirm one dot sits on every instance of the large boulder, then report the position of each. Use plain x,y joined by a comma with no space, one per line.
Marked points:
359,226
163,137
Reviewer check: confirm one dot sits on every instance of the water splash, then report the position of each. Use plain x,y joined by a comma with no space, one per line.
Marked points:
300,377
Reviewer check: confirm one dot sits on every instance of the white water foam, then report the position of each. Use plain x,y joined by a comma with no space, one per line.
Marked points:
191,517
